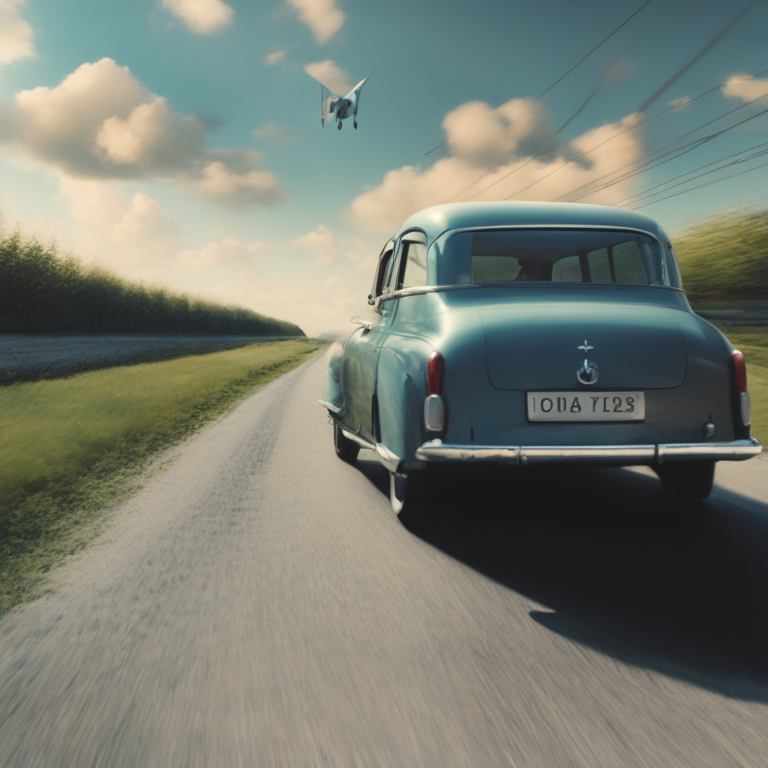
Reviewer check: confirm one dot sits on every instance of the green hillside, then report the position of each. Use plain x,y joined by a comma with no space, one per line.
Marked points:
41,290
726,256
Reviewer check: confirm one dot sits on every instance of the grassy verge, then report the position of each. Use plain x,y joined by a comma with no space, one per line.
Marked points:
753,342
72,448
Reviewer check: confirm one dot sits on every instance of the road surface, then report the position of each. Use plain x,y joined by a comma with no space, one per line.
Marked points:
258,604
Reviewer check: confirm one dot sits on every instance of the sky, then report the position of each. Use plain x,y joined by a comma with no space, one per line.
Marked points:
178,142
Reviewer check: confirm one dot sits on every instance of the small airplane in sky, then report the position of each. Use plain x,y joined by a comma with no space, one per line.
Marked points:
340,107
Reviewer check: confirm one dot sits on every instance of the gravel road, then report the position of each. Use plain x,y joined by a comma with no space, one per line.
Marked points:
258,604
29,357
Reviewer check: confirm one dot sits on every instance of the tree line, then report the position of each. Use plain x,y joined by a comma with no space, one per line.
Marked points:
43,290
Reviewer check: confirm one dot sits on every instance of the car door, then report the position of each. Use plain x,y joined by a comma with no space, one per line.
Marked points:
361,350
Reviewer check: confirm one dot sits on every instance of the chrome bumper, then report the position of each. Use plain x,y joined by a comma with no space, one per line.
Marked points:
738,450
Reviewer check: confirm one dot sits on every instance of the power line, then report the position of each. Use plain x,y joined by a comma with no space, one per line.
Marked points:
645,193
562,77
666,112
650,159
700,186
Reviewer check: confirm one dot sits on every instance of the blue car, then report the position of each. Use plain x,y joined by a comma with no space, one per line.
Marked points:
536,334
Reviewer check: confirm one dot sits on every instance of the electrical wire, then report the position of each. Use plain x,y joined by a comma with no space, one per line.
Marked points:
577,64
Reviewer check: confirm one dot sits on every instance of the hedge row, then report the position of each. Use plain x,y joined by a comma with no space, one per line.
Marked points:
41,290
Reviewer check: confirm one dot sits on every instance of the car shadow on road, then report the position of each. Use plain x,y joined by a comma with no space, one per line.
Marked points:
619,567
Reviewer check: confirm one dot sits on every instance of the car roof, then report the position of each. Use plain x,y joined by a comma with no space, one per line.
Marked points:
441,218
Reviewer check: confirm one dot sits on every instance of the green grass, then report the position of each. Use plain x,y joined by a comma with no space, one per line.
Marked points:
72,448
726,256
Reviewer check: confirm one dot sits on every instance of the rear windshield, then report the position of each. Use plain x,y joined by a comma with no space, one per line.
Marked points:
561,256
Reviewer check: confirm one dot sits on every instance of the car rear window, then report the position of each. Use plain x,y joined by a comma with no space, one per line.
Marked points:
562,256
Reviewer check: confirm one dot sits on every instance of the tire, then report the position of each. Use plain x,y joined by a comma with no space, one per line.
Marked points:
346,449
687,481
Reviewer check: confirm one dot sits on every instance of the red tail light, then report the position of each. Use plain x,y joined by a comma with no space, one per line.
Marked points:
435,373
741,370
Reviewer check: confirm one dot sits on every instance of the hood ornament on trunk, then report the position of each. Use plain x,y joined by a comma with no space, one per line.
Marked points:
588,371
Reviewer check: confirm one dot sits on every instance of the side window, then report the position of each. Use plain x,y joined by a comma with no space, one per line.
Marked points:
382,270
567,270
599,266
629,264
415,255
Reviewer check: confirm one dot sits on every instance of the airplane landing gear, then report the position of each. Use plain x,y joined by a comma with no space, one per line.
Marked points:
355,124
338,125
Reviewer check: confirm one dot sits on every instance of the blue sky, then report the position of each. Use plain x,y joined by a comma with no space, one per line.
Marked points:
179,141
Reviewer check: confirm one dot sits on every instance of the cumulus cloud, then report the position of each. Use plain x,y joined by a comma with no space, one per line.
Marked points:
275,57
322,17
102,122
131,234
236,178
331,76
483,136
497,154
203,17
16,36
230,253
326,245
745,89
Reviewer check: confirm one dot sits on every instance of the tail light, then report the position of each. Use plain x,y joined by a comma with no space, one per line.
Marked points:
434,410
435,373
740,367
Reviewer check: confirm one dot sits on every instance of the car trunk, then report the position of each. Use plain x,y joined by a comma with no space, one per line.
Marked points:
535,345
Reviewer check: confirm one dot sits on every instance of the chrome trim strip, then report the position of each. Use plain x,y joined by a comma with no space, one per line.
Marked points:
390,460
738,450
361,441
330,406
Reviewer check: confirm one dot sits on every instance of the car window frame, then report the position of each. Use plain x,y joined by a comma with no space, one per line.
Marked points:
411,236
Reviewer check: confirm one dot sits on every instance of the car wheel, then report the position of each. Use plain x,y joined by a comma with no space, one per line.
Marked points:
687,481
346,449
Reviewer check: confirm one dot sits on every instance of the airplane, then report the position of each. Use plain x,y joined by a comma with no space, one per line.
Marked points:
341,107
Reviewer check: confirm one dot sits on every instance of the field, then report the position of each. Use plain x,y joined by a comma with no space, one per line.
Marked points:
73,447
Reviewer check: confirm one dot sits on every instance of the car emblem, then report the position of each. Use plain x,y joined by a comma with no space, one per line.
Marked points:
588,371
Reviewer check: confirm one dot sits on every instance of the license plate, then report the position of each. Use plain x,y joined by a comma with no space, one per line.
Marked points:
586,406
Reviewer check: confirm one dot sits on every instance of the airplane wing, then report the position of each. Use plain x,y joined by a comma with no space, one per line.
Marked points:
357,88
330,92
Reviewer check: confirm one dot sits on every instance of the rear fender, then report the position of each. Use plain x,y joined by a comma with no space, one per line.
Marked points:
333,393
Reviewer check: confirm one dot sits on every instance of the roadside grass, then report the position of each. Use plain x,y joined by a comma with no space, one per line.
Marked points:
725,256
753,343
71,449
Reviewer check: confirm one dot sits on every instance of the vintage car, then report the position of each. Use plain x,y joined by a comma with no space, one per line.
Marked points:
536,333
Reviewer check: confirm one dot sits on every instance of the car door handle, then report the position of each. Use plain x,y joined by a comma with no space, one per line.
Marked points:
357,320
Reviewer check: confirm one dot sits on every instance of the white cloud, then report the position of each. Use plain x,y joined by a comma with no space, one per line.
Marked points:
479,134
268,131
229,253
16,35
236,178
203,17
326,245
275,57
322,17
131,235
745,89
102,122
331,76
678,104
498,153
